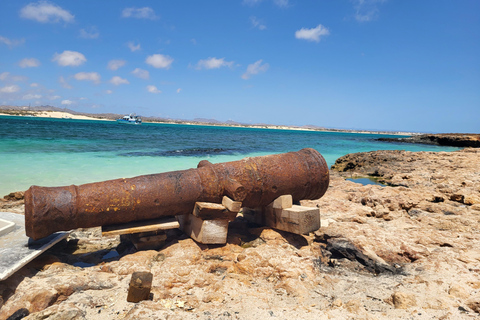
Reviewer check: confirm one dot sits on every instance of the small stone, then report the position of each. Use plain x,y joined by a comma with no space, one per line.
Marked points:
403,300
354,306
140,286
337,303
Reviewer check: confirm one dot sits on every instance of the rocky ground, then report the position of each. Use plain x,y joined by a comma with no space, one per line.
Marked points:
409,250
442,139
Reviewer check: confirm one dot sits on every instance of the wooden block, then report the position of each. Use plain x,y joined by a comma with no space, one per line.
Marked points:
297,219
148,240
232,206
283,202
140,226
204,231
140,286
212,211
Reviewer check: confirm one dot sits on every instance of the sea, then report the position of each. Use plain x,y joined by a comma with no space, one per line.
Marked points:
58,152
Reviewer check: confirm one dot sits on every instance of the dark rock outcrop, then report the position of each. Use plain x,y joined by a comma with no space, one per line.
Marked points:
442,139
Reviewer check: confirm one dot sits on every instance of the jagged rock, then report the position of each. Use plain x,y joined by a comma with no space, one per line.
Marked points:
403,300
18,195
441,139
340,247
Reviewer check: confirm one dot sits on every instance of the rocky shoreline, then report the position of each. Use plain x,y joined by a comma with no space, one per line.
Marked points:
408,250
441,139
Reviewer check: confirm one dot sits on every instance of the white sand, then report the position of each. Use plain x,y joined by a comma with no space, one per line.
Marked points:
59,115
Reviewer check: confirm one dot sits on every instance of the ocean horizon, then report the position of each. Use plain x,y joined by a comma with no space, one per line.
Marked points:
57,152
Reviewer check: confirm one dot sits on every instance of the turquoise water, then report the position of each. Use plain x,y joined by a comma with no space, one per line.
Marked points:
55,152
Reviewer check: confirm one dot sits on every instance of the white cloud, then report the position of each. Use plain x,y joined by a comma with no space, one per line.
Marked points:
89,33
139,13
255,68
313,34
54,97
133,47
64,83
116,64
29,63
44,11
179,89
213,63
118,81
31,96
366,10
140,73
257,23
88,76
34,85
4,75
11,43
108,91
153,89
69,58
10,89
66,102
159,61
281,3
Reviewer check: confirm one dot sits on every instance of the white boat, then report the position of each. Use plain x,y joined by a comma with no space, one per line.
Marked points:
130,119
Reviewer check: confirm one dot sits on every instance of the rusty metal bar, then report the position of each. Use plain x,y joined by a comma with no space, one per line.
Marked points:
254,181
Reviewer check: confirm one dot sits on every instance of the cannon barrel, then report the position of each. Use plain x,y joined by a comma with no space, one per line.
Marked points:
255,181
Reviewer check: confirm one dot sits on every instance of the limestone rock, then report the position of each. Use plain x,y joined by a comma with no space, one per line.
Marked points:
403,300
421,226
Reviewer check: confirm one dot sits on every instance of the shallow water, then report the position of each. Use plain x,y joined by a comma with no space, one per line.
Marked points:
55,152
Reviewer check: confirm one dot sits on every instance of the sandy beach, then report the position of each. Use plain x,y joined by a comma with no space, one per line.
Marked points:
58,115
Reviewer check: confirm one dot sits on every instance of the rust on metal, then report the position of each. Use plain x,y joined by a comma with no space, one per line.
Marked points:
254,181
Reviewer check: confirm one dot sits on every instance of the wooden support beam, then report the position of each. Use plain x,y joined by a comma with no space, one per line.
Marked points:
281,214
140,226
204,231
297,219
283,202
212,211
232,206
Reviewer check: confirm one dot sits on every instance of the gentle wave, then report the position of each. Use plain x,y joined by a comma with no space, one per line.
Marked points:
189,152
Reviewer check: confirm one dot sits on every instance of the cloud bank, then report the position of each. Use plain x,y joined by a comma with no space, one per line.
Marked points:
255,68
159,61
69,58
153,89
116,80
88,76
139,13
213,63
46,12
116,64
29,63
314,34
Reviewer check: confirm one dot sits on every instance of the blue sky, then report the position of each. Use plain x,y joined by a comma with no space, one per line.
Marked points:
355,64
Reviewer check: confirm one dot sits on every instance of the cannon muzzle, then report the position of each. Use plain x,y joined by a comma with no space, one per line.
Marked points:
254,181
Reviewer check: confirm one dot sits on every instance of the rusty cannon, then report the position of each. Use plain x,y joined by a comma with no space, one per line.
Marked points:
255,182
